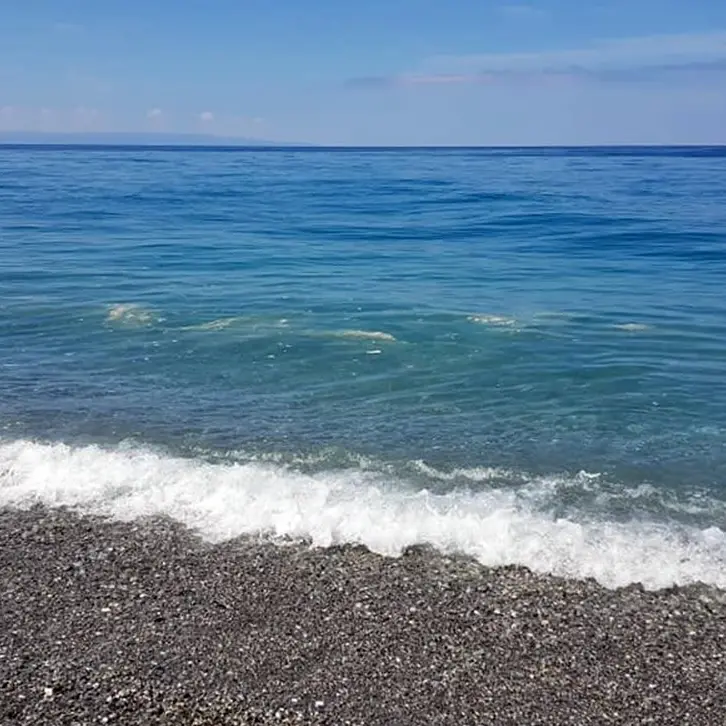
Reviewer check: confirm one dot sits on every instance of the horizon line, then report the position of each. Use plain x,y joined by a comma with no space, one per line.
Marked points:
287,146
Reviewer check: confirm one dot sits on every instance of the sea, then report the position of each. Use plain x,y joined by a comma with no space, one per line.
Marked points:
513,354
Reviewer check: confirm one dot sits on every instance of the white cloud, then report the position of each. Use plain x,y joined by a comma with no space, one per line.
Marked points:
609,54
154,113
206,116
695,56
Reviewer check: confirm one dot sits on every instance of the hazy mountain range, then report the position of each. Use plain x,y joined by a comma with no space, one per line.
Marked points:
112,138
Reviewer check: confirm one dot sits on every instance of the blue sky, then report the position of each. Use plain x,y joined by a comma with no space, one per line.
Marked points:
373,72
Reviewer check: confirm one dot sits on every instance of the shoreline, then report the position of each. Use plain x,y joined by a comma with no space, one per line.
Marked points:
143,622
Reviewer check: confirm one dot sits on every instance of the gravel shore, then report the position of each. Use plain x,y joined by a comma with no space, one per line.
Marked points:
142,623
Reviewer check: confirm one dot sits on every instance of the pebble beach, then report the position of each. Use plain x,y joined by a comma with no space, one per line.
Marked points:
141,622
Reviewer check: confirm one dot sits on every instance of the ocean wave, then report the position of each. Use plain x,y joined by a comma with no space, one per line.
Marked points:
473,474
498,525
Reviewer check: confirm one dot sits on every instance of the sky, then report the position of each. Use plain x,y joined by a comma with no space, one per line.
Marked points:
370,72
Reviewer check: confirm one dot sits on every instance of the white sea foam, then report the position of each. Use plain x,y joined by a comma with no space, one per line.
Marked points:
219,324
499,525
132,314
237,320
473,474
366,335
493,320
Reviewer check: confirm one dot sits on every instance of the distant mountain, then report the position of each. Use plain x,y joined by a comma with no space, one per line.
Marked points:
113,138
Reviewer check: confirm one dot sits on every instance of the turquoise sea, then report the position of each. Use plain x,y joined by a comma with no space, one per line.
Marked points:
518,354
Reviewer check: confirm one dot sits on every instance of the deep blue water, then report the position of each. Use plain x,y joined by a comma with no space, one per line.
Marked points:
511,333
